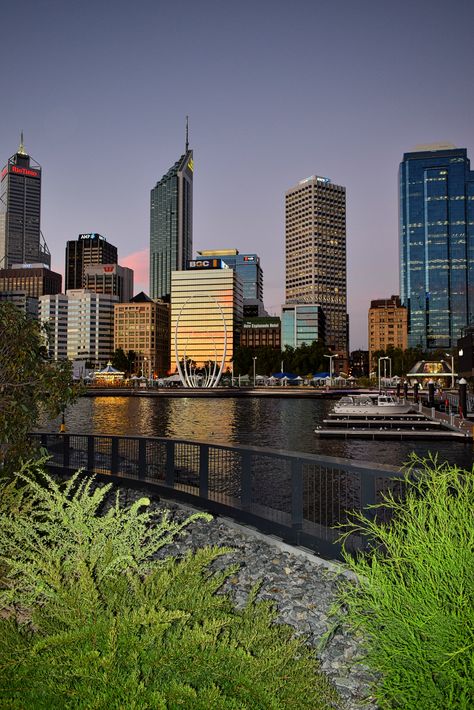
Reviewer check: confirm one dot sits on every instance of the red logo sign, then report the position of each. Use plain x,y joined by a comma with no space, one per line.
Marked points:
109,269
24,171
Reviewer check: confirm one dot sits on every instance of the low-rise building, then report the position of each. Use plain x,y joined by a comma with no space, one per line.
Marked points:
261,332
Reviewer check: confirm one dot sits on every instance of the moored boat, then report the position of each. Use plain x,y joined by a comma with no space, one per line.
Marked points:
368,404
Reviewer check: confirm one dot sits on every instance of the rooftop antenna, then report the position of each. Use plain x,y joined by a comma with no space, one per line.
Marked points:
21,150
187,134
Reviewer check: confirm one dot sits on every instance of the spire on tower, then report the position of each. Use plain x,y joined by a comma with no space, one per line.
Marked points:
21,150
187,134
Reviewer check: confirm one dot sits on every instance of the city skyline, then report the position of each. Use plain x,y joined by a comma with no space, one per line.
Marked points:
274,95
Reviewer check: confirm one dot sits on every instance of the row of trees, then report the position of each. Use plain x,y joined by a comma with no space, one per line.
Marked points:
305,360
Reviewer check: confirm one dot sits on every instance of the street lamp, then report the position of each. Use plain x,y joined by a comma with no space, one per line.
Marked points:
386,357
331,358
452,369
254,358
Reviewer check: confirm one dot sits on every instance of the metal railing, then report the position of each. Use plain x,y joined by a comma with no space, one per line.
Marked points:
299,497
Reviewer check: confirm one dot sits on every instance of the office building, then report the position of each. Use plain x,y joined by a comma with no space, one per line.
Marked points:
26,304
250,273
171,224
87,250
21,241
264,332
143,325
34,280
206,313
436,244
81,325
387,326
315,231
301,324
109,278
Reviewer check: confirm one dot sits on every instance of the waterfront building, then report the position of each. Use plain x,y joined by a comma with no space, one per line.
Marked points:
33,279
315,254
86,250
301,324
81,325
109,278
21,240
206,313
171,224
250,273
261,332
436,244
387,326
26,304
143,325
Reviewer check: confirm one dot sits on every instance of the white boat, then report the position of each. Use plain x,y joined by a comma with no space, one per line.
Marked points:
371,404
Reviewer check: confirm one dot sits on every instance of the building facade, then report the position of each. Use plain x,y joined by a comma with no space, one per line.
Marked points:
436,244
87,250
206,314
109,278
387,326
143,325
33,279
301,324
171,224
262,332
250,273
21,241
315,254
28,305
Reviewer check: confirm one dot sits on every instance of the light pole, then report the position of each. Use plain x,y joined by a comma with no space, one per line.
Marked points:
331,358
452,369
386,357
254,358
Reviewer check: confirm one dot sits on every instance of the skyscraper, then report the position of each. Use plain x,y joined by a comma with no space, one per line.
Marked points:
21,241
250,272
315,231
86,250
171,224
436,244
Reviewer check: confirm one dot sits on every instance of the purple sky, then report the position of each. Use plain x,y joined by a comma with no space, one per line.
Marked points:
275,92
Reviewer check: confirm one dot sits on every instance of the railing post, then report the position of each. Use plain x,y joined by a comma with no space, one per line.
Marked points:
65,451
297,499
203,470
367,491
169,466
114,462
246,480
90,453
142,458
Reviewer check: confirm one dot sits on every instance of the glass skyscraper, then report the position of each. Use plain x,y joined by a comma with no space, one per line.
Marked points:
301,324
171,225
250,273
436,244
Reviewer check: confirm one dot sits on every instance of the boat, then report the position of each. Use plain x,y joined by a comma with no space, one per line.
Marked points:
371,404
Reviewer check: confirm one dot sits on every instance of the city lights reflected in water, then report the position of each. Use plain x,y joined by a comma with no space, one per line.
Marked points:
276,423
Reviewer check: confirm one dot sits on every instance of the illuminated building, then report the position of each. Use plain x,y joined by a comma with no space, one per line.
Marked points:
387,326
86,250
250,273
33,279
171,224
437,244
21,241
206,312
301,324
143,325
315,236
109,278
262,332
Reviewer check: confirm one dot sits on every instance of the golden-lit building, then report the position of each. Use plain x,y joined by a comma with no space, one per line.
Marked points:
387,326
206,310
143,325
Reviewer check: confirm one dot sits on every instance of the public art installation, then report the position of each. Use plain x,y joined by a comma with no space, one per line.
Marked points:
210,374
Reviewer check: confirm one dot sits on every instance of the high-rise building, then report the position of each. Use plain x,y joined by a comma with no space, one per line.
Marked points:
387,326
143,325
33,279
171,224
109,278
21,241
301,324
250,272
315,231
206,313
86,250
436,244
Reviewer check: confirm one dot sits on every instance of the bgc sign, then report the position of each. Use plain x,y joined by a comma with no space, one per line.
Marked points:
205,264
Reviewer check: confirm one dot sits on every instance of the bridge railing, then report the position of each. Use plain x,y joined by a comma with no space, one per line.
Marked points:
299,497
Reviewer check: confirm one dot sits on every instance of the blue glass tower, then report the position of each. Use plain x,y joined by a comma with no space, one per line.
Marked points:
436,244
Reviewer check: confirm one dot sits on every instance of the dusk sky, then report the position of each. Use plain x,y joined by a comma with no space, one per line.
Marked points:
275,92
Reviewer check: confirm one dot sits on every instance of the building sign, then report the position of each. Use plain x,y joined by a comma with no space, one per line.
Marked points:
206,264
92,235
100,269
23,171
191,164
249,258
261,325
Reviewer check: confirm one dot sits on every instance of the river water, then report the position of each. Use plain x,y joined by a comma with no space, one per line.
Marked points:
276,423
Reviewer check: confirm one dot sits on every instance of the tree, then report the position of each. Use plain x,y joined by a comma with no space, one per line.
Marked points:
29,381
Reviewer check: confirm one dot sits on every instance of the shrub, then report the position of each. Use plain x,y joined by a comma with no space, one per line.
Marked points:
94,620
414,599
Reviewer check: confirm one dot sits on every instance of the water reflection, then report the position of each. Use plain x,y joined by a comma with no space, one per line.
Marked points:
276,423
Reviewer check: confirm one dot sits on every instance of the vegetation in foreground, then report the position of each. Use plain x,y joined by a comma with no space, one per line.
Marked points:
93,620
415,599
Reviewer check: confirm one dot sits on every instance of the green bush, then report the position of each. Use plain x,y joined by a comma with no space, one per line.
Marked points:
415,598
92,619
